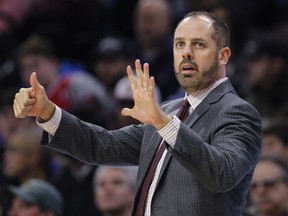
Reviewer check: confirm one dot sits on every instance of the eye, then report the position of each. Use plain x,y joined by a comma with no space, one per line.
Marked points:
101,184
118,183
199,45
179,44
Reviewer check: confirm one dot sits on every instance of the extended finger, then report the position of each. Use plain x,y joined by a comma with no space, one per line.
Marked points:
139,73
146,77
131,78
151,86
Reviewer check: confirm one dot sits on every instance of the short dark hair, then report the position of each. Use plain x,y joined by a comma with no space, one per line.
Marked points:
277,160
221,31
37,45
279,130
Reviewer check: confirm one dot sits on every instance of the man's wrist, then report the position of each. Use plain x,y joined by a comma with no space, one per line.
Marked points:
47,113
165,121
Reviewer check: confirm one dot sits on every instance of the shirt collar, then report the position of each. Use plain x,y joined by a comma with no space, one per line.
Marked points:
195,100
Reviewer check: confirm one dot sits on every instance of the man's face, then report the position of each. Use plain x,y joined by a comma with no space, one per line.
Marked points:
259,72
113,192
110,70
46,69
196,61
273,144
152,22
269,198
18,158
22,208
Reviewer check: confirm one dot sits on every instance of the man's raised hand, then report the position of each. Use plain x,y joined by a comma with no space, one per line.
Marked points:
146,109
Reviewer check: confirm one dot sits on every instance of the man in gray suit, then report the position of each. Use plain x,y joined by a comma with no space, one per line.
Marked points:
208,161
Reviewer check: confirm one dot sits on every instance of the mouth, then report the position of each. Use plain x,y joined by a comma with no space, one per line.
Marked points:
188,69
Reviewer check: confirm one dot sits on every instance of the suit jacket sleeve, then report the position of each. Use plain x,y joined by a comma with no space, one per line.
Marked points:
93,144
223,145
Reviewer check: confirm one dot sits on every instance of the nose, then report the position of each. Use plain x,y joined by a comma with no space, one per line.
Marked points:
107,186
187,52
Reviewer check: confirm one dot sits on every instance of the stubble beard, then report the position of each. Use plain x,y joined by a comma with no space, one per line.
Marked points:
198,81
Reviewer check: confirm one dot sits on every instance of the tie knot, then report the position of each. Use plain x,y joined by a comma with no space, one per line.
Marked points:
184,110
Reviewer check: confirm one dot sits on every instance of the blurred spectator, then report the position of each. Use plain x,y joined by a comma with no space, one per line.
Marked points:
179,8
269,188
267,75
73,177
275,139
24,158
74,183
81,23
118,17
110,59
9,126
153,33
114,189
13,13
59,20
255,15
36,198
73,25
224,10
69,90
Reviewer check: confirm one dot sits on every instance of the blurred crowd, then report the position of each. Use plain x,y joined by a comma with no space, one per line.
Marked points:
80,50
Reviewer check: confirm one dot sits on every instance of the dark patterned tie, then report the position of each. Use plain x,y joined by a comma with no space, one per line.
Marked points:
182,115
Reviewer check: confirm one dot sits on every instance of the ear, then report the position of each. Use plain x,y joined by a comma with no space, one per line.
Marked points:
224,55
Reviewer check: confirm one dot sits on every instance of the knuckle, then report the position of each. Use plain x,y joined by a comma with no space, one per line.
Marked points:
16,96
22,90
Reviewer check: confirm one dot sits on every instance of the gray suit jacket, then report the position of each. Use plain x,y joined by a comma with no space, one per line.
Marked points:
207,173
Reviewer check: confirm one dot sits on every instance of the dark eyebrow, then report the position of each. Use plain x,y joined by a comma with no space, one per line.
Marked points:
192,40
178,39
199,40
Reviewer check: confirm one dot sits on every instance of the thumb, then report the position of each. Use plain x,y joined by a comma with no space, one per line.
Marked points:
126,112
34,82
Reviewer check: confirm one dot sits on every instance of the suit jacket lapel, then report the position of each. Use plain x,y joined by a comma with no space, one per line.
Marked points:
213,97
154,143
192,118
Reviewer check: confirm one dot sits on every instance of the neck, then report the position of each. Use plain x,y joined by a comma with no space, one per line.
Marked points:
197,92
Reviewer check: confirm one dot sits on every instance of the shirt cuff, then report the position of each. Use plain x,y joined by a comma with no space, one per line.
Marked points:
51,125
170,131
